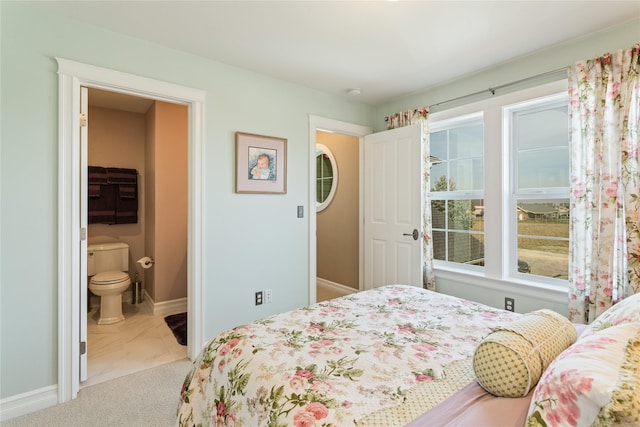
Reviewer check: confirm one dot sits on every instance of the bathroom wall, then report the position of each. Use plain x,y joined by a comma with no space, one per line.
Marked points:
116,139
337,224
166,201
155,144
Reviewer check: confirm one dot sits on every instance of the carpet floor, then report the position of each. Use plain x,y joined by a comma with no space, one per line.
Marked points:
147,398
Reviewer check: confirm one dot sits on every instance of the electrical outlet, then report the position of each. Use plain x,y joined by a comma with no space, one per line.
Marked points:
259,298
268,296
509,303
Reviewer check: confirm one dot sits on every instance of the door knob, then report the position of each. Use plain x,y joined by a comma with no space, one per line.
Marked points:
415,234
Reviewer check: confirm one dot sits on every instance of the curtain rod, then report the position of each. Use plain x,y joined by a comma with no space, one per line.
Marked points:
494,89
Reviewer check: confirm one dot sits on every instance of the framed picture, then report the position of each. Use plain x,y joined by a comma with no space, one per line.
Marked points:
261,164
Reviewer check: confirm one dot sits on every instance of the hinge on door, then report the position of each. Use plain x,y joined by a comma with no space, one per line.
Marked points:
83,347
83,120
83,234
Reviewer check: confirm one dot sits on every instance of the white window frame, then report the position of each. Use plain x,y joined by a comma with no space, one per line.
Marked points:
322,149
515,194
499,223
458,194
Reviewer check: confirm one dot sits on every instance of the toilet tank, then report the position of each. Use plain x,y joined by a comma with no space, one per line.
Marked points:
103,257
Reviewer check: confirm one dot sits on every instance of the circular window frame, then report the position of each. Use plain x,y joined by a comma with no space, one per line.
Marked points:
320,150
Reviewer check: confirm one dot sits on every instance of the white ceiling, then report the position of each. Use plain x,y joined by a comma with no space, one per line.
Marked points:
386,49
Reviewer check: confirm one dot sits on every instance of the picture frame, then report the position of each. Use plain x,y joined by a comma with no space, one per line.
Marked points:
261,164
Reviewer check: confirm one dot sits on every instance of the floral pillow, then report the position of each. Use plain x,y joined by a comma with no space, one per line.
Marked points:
596,382
627,310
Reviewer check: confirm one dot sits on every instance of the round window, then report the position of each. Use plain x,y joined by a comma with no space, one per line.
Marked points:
326,177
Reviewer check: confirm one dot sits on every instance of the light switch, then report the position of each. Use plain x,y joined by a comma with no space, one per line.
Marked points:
300,211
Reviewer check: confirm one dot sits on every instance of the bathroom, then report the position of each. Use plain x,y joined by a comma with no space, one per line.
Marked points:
152,138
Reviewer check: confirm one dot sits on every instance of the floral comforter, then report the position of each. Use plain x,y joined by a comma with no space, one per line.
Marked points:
339,362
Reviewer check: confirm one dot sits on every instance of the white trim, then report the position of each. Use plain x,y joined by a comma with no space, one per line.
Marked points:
26,403
320,123
335,287
117,81
513,194
531,289
166,308
72,75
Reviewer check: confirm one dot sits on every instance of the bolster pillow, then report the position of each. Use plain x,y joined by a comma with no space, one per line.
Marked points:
511,359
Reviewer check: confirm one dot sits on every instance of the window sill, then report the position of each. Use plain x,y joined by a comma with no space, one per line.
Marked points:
524,286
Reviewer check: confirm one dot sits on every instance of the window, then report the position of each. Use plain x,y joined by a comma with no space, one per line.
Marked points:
457,184
500,186
326,177
539,137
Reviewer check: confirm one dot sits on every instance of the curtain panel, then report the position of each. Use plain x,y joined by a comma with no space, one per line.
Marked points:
406,118
605,225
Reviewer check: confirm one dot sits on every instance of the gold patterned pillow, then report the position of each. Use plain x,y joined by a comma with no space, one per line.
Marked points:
511,359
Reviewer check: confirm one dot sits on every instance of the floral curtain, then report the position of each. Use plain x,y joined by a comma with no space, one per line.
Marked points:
406,118
605,209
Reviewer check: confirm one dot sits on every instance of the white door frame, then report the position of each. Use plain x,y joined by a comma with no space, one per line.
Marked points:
72,75
317,123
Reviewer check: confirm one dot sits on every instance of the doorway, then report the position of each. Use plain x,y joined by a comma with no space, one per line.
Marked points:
316,124
337,214
72,237
145,138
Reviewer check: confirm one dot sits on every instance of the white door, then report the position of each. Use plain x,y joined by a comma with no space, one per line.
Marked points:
393,204
84,140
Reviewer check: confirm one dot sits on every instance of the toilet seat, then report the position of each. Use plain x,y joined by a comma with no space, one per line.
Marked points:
109,278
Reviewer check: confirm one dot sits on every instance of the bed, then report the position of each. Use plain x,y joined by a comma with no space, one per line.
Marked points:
392,356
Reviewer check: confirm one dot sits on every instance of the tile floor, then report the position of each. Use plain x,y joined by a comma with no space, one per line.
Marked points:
139,342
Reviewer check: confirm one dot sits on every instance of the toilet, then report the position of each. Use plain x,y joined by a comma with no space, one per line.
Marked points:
107,264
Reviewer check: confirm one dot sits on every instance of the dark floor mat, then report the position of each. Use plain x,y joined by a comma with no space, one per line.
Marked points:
178,325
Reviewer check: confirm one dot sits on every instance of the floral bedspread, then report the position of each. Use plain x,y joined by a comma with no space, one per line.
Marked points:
337,362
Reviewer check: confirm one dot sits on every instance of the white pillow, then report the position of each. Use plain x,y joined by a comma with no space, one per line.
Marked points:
627,310
596,381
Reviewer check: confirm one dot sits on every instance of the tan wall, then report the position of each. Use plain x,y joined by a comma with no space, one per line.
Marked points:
155,144
150,197
116,139
168,149
337,225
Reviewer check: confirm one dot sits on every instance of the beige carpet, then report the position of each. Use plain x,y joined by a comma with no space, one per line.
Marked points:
146,398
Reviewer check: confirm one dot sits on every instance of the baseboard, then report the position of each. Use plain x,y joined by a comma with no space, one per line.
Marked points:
335,287
26,403
166,308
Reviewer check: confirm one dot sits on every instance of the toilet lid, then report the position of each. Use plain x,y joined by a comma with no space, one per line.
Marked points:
109,277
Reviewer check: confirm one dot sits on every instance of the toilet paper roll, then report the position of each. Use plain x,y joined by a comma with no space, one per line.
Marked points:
145,262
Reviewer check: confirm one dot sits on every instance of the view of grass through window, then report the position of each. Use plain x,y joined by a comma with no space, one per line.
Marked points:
540,138
543,237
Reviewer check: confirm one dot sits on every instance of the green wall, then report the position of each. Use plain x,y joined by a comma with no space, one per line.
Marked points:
237,100
552,58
